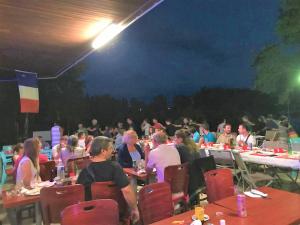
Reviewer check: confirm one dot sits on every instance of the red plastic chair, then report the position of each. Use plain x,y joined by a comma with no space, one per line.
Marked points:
47,170
77,163
178,178
219,184
55,199
96,212
155,202
108,190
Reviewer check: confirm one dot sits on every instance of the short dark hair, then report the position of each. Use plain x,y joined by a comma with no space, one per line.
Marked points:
205,126
244,126
80,134
227,124
99,143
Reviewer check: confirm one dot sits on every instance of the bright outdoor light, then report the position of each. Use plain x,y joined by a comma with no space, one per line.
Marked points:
96,27
106,35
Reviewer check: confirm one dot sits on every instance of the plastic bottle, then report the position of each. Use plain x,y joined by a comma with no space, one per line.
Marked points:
60,170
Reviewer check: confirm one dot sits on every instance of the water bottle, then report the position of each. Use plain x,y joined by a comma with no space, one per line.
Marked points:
60,170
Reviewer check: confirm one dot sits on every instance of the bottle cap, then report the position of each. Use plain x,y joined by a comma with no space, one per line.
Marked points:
222,222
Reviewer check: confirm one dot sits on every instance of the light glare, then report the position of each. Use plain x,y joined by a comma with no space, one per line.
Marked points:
106,35
96,28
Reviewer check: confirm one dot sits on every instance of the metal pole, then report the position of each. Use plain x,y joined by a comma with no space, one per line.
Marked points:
26,125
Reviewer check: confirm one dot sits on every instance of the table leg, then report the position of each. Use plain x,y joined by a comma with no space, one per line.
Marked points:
12,216
294,180
133,182
38,215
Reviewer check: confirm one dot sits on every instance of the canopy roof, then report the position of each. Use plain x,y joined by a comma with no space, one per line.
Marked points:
45,36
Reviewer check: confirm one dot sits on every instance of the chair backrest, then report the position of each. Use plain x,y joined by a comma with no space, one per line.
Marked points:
272,135
8,152
82,163
73,162
96,212
219,184
108,190
55,199
222,157
294,140
275,144
178,178
197,169
202,153
3,162
155,202
47,170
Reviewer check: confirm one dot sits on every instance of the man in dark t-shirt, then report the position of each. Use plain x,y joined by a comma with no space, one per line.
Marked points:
102,169
101,172
94,129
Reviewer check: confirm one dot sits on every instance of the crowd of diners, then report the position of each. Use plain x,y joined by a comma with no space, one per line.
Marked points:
160,146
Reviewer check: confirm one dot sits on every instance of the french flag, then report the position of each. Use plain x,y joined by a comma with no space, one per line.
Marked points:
29,92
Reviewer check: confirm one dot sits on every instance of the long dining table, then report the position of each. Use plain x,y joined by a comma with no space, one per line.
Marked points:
12,202
279,208
278,162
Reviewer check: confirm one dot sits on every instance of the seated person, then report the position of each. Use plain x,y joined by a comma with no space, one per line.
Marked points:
244,138
161,156
103,169
187,148
72,150
196,134
27,172
226,137
44,143
208,137
81,140
56,150
129,151
18,151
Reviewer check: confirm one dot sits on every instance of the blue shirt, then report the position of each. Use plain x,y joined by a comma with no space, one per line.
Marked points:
196,137
135,155
209,137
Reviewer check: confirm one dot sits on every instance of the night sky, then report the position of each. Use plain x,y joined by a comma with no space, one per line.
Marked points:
183,45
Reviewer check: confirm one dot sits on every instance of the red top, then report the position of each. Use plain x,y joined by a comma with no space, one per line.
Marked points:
157,126
43,158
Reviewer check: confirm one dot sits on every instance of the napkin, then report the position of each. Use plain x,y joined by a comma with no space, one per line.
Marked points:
251,195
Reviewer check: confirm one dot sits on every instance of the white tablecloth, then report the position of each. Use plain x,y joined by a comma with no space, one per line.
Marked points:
269,160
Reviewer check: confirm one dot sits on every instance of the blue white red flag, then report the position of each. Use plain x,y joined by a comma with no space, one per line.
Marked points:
29,92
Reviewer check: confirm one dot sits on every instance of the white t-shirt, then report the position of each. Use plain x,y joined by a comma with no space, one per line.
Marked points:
81,143
161,157
243,138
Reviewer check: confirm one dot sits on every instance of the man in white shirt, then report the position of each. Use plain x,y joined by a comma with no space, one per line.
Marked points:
162,156
244,138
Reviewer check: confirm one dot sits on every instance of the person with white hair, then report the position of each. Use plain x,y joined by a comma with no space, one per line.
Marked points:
129,151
